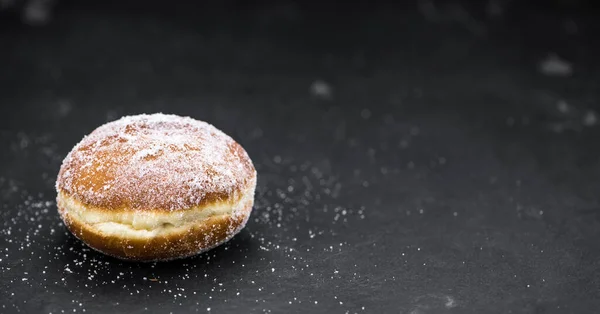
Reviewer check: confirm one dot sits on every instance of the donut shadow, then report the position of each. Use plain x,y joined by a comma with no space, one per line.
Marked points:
224,259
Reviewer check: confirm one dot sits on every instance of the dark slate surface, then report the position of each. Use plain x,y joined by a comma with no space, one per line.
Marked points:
440,177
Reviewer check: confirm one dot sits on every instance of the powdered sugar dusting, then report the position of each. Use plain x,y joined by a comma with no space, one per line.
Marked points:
155,161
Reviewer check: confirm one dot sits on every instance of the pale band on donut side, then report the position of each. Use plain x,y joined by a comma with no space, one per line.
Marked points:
156,187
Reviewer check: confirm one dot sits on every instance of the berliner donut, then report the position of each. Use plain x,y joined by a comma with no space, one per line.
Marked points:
155,187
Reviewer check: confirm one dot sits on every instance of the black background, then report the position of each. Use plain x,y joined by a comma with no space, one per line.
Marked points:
440,176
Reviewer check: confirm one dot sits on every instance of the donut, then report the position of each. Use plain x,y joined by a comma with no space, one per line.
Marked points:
155,187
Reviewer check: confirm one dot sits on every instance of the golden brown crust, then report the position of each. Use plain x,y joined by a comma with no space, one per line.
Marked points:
199,237
155,162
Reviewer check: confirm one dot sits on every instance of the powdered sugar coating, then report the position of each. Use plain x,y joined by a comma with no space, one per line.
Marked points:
155,162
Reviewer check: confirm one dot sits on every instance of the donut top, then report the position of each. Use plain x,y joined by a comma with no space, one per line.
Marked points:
155,162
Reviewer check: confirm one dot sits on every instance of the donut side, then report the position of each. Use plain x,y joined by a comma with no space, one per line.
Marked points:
179,234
